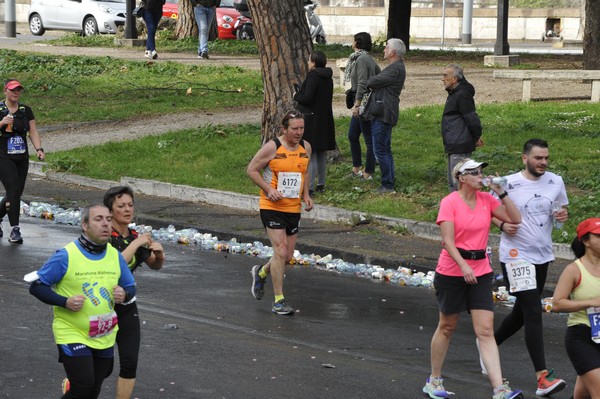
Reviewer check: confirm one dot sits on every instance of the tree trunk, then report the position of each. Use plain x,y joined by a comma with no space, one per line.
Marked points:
284,45
398,26
186,22
591,35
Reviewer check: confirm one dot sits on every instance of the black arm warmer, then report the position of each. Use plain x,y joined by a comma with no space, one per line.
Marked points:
129,293
45,294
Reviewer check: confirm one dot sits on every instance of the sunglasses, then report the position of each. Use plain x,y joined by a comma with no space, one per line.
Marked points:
16,90
473,172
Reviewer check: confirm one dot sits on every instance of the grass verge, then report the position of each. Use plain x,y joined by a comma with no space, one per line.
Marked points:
216,157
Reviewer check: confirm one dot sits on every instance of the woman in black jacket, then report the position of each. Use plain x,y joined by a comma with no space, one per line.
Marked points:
314,100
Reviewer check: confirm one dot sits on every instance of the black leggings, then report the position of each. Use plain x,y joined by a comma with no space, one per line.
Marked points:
128,339
86,374
527,312
13,174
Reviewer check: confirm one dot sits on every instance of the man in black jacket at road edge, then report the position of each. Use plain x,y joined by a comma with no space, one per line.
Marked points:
461,126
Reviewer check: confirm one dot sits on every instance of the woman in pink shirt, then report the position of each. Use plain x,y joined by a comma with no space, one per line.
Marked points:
463,279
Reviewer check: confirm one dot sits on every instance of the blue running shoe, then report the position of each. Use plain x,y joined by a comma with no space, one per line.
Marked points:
434,388
281,307
258,283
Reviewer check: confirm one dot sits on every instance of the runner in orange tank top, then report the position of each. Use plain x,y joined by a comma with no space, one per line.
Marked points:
280,168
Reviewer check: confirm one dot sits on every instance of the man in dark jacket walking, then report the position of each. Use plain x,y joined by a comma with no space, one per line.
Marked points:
461,127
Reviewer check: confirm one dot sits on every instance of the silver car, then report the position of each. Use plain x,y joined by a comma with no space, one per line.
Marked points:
89,17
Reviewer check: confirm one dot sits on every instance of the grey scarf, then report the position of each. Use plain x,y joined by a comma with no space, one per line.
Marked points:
350,65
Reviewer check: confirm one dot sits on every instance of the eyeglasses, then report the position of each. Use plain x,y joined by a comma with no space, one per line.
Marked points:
16,90
473,172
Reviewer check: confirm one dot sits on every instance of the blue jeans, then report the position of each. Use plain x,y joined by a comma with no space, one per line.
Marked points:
152,18
382,147
204,17
358,126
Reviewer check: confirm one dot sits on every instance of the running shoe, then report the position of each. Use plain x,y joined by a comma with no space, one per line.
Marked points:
434,388
15,236
154,54
258,283
548,384
506,392
66,385
281,307
148,54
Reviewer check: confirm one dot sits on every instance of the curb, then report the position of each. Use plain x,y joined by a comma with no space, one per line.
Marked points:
245,202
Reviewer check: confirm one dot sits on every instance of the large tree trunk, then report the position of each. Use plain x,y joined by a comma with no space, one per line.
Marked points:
284,45
398,25
591,35
186,22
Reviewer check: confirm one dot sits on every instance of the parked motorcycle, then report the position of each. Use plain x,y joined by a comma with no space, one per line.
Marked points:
245,31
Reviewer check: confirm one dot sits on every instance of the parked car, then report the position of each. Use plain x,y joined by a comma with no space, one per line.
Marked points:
226,16
171,9
89,17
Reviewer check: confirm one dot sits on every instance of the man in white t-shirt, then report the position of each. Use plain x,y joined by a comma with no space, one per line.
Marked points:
526,252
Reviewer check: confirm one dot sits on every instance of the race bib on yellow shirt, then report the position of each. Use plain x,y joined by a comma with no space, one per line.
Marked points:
101,325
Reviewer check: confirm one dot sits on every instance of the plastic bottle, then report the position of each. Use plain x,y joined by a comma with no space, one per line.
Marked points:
9,127
557,224
499,180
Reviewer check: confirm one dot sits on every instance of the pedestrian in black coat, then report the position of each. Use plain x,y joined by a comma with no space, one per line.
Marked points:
314,100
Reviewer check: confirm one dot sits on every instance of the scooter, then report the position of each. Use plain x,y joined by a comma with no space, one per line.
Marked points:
317,33
244,29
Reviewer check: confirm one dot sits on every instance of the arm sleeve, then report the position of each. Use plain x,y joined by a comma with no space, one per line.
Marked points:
384,78
306,95
126,280
466,108
45,294
55,268
362,75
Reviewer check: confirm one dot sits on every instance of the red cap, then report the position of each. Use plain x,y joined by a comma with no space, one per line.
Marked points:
12,84
591,225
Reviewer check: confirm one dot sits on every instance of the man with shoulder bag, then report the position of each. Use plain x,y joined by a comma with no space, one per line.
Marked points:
382,110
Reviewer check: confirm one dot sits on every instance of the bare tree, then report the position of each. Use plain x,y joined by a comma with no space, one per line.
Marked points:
591,35
186,21
398,25
284,45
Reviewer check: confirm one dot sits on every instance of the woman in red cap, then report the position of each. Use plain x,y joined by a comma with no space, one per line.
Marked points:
16,122
578,293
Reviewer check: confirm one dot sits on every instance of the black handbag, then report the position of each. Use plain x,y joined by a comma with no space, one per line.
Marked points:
350,94
138,12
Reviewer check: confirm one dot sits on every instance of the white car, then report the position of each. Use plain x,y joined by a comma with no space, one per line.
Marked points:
89,17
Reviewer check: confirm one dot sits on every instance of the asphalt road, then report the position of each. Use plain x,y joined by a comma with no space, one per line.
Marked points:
351,337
